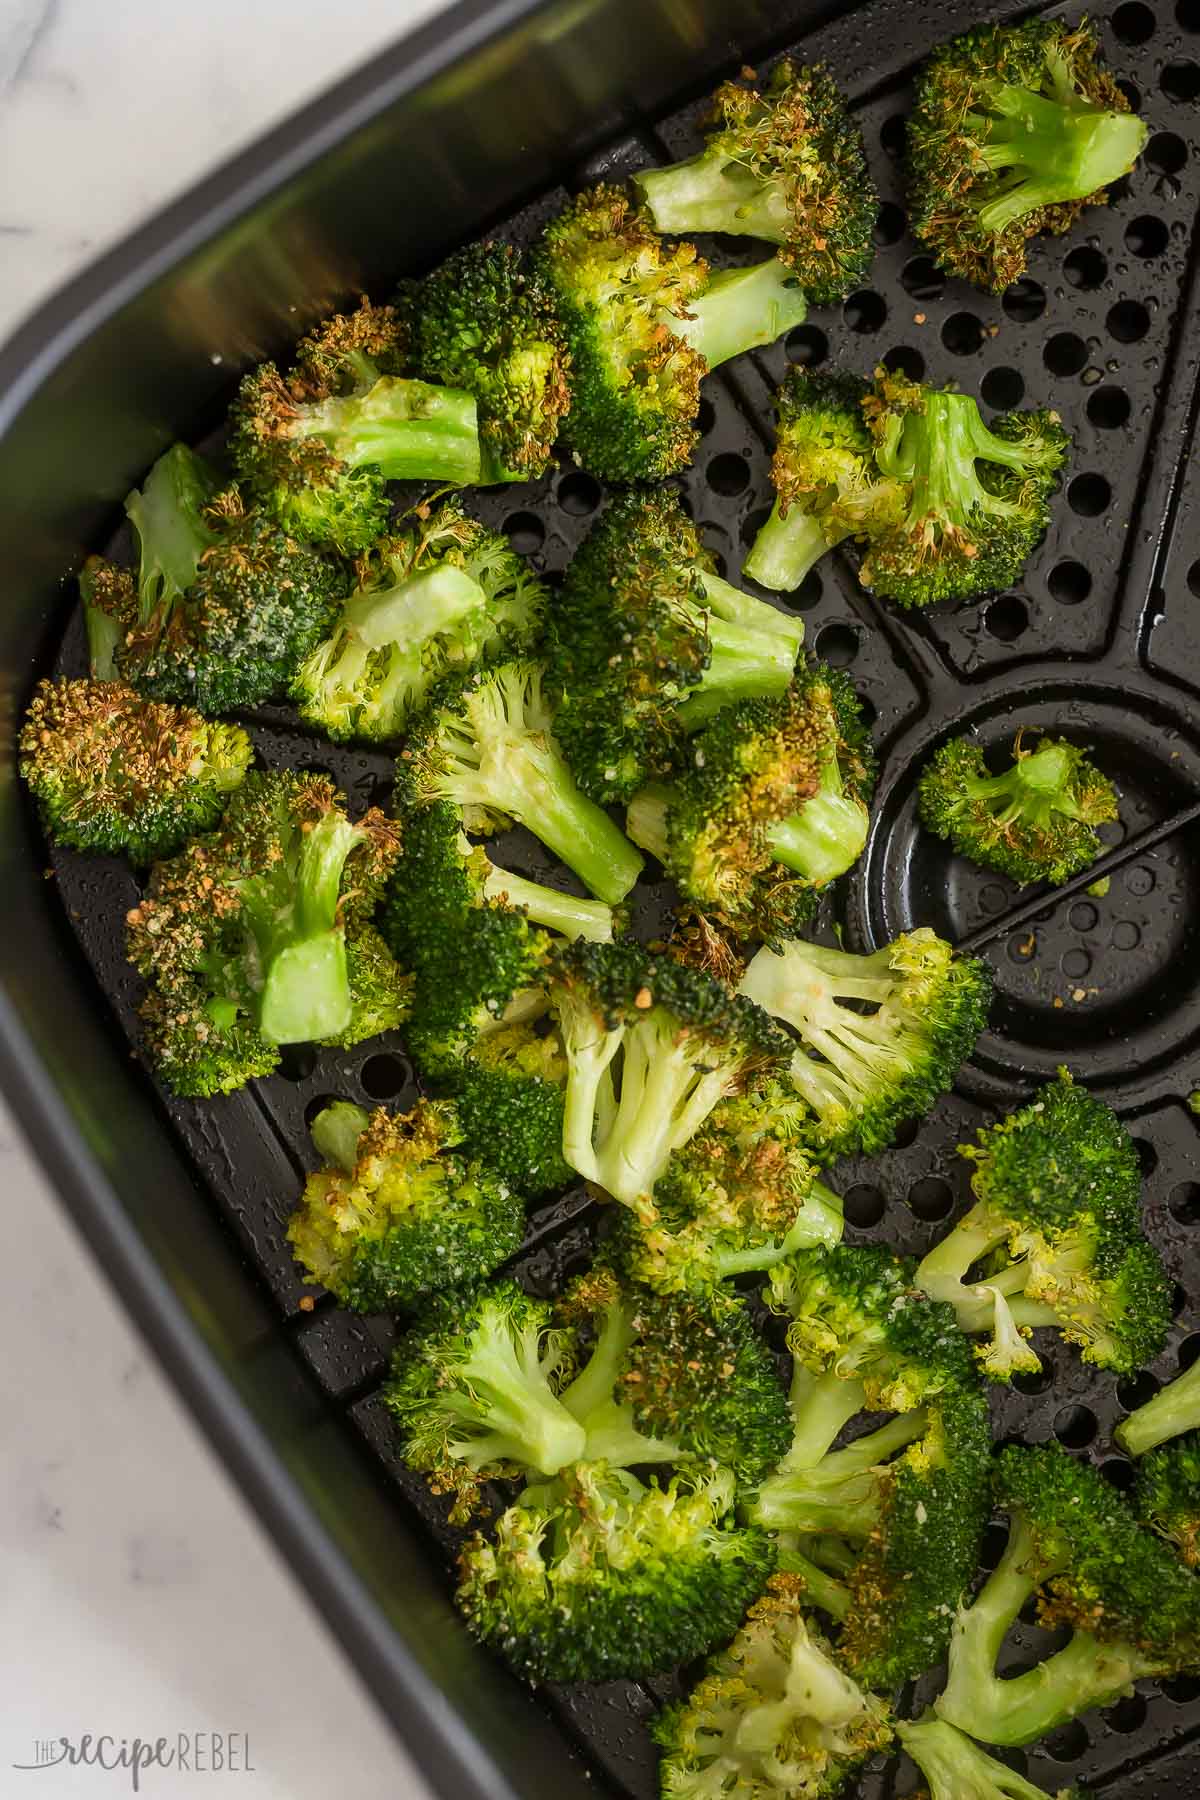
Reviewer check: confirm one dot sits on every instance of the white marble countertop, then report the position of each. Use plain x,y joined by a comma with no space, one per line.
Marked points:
140,1596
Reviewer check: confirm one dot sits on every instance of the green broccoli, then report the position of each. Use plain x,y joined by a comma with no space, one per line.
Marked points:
862,1073
957,1769
786,164
508,1089
430,601
1056,1234
597,1576
1173,1410
644,324
1167,1495
1016,130
1035,822
772,1715
116,773
646,643
1075,1544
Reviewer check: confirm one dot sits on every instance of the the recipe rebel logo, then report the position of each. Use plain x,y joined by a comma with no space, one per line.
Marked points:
186,1753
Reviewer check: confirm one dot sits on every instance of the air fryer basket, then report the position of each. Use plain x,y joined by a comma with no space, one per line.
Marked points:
1099,643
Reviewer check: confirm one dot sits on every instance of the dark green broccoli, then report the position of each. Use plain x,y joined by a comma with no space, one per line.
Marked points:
1173,1410
863,1073
509,1089
646,643
1016,130
404,1211
1056,1238
226,603
597,1576
767,807
432,600
485,321
1167,1495
1035,822
644,323
1075,1544
772,1714
786,164
651,1048
113,772
957,1769
247,939
976,500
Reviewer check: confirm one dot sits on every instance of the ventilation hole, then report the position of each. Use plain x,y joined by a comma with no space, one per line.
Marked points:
1182,1689
1069,583
866,711
1003,388
1075,964
1084,916
906,1134
1189,1351
1119,1473
1166,154
384,1076
1183,1202
728,473
865,311
807,594
807,346
1024,301
1109,408
1117,190
579,494
904,360
525,532
1188,14
1085,268
995,1543
1006,618
863,1205
931,1198
1128,321
1075,1427
1068,1743
1065,354
962,334
1146,236
1135,1390
892,135
1180,81
1193,579
753,523
992,898
1023,949
1133,23
837,645
317,1106
889,224
1140,881
1036,1381
1088,495
706,417
1147,1156
1126,935
296,1062
922,278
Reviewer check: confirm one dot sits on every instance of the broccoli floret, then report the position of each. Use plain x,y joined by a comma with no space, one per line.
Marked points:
109,597
1056,1233
1167,1495
683,1042
597,1576
862,1073
957,1769
976,500
487,745
430,601
1016,129
644,323
1035,822
509,1092
1075,1544
1173,1410
410,1214
827,485
113,772
772,1715
242,937
768,806
485,321
787,164
646,643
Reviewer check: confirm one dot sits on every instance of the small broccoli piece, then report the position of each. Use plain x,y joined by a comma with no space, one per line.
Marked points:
977,500
430,601
772,1715
487,744
245,939
644,323
597,1577
863,1073
1035,822
1016,130
113,772
769,806
646,643
786,164
684,1043
1056,1231
509,1092
1173,1410
827,485
410,1215
1075,1544
1167,1495
485,321
109,597
957,1769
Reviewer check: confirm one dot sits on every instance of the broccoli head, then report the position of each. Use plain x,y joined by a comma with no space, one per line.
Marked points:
1035,822
508,1089
116,773
957,1769
1173,1410
1167,1495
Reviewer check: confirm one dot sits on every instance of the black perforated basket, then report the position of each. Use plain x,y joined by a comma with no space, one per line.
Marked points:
502,106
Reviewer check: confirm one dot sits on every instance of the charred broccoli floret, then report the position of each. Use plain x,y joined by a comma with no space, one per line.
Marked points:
1016,129
113,772
1173,1410
1056,1238
862,1073
957,1769
1035,822
1167,1495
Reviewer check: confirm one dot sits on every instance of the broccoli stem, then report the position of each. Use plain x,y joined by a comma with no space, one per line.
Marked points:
306,990
842,1492
665,1097
335,1133
612,1436
566,913
1045,151
588,1097
819,1221
1034,790
1174,1409
167,513
414,610
790,543
826,836
104,633
739,309
823,1589
821,1406
943,1274
646,820
408,430
502,1380
753,650
708,192
957,1769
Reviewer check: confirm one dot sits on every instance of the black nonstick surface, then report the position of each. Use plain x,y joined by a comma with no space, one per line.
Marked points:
1100,642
